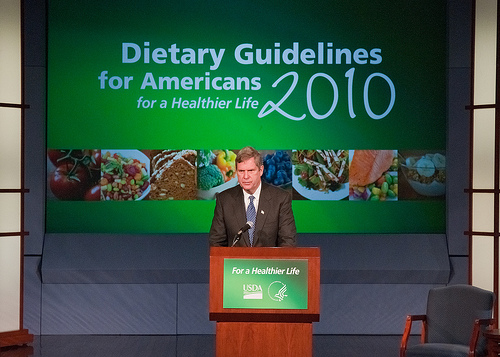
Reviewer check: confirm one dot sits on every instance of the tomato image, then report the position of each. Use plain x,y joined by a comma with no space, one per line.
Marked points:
74,173
70,182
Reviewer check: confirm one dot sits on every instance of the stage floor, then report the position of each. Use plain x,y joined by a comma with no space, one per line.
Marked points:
189,345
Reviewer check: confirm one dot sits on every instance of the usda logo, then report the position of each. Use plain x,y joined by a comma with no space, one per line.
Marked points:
252,291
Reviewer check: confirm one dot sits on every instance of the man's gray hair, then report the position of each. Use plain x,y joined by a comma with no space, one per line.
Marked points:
246,153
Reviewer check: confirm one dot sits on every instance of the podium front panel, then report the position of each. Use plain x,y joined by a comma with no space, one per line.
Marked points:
264,284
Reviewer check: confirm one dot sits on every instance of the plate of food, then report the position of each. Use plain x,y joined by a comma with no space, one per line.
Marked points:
124,175
321,174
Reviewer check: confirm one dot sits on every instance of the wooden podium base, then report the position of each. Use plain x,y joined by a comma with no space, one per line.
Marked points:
262,339
15,338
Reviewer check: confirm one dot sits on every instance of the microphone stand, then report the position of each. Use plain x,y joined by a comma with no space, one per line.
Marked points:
236,239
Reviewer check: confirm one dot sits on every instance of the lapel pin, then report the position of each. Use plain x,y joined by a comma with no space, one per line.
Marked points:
262,211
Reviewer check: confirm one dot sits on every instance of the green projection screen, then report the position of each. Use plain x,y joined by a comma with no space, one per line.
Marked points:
148,102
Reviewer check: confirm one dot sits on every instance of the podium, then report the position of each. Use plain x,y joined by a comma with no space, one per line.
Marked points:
264,300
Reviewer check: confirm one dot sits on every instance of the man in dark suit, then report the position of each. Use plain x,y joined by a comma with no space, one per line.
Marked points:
269,209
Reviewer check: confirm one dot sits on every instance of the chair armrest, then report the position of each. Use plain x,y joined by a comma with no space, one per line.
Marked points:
407,331
475,334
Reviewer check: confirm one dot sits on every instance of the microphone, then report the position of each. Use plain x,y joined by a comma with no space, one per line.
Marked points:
243,229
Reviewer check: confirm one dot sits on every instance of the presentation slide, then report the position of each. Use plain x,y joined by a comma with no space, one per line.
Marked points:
149,103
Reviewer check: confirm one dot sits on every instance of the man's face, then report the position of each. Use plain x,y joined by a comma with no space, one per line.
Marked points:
249,175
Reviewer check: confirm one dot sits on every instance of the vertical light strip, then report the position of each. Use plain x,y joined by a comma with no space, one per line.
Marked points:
484,186
11,179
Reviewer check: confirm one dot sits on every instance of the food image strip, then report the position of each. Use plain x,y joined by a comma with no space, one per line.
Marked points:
356,175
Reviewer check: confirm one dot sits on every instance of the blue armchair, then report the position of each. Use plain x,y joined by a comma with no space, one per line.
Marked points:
452,324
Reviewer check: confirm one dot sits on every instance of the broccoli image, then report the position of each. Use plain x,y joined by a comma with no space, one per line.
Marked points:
209,176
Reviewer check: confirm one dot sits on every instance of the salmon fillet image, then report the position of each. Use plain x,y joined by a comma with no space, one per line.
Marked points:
368,165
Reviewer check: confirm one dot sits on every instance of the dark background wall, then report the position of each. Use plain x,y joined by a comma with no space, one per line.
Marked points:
158,284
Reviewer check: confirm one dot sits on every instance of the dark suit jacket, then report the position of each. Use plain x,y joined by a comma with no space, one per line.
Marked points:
274,226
